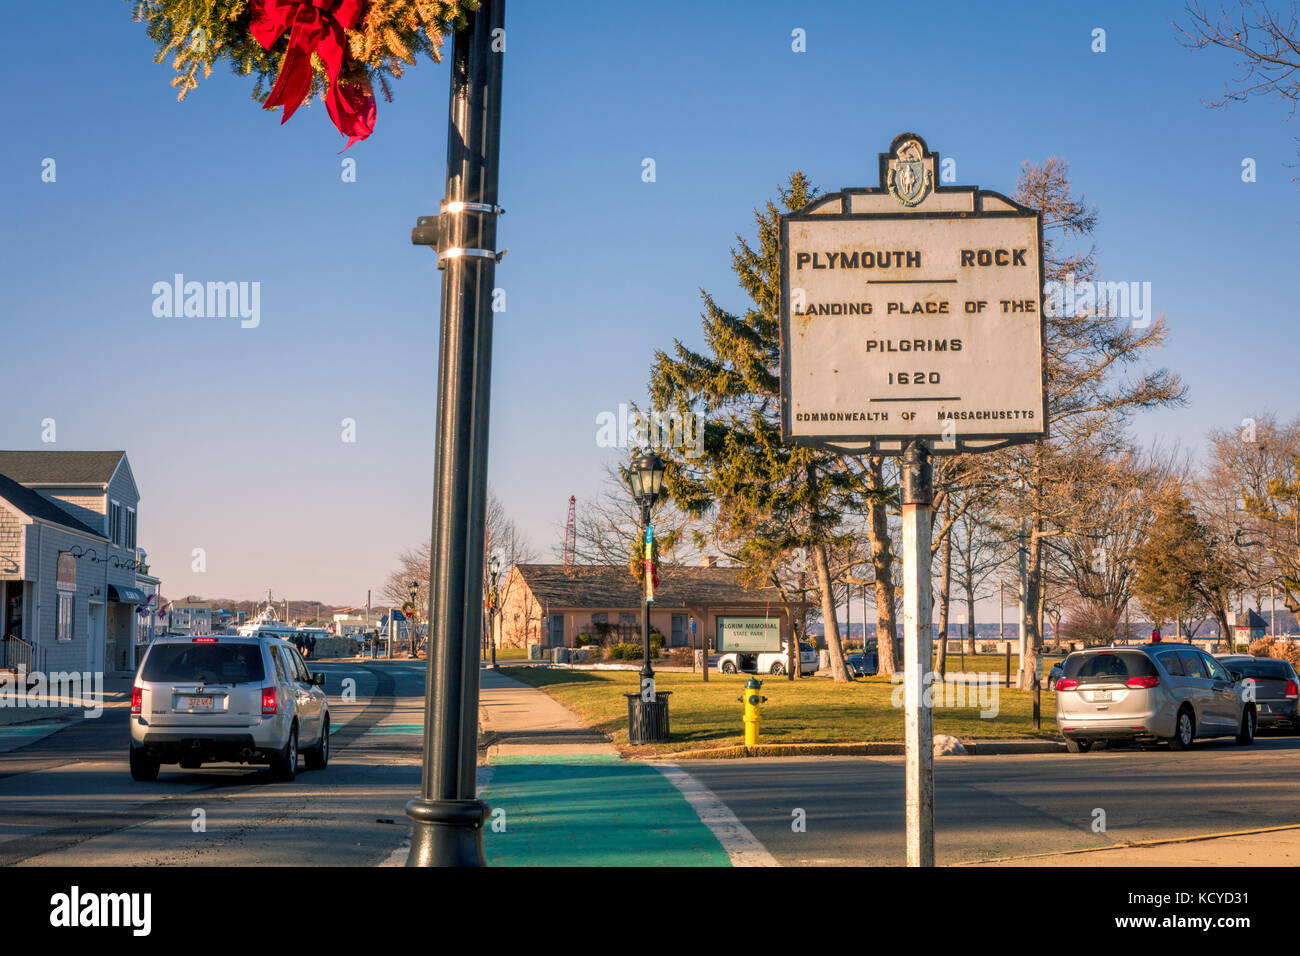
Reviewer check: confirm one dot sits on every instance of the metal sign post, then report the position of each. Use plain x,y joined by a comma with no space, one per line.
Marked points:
912,324
918,733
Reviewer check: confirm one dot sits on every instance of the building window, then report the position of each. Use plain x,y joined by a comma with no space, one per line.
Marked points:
64,622
115,523
130,528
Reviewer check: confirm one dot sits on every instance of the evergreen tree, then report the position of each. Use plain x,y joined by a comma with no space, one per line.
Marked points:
768,499
1179,574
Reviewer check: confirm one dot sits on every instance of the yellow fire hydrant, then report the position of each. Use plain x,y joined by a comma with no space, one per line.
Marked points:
753,714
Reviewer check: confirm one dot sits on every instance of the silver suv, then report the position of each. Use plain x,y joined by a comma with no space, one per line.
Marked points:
225,699
1148,692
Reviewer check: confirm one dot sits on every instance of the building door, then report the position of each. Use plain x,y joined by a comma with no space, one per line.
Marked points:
555,638
678,638
95,637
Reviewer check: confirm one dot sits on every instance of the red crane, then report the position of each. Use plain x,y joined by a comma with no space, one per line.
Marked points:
570,535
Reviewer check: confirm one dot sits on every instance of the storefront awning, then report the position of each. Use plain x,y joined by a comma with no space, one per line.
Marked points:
126,595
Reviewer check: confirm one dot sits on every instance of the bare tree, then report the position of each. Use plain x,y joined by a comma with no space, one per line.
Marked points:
503,539
1089,621
1264,41
1266,44
1097,377
978,551
1246,498
608,524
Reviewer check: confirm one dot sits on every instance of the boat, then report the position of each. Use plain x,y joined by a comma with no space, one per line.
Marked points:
265,622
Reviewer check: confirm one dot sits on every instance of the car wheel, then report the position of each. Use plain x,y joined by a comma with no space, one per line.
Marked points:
318,757
778,668
1184,730
1077,746
728,667
284,766
143,768
1247,735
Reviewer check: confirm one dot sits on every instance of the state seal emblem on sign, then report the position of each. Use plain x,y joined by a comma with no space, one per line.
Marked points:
910,178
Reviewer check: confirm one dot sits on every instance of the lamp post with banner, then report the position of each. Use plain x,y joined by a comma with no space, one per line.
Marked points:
647,710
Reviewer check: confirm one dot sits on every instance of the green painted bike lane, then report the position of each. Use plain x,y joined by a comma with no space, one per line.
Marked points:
591,810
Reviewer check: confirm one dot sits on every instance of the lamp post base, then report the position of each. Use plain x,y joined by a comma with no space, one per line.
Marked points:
447,832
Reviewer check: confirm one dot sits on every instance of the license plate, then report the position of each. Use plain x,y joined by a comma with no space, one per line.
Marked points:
1101,695
200,703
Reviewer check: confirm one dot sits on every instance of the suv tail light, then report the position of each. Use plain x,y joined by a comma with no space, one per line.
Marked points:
1067,683
1142,682
1291,689
204,640
137,700
269,703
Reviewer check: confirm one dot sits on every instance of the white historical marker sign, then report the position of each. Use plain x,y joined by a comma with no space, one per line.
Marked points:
912,311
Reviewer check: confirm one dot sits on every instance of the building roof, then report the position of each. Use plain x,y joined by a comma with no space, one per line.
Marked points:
60,467
36,505
602,586
1251,620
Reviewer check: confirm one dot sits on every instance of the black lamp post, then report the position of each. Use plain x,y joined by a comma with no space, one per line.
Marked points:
494,568
647,480
647,711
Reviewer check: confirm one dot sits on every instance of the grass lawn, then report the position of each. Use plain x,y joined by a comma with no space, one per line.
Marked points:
512,653
995,663
811,710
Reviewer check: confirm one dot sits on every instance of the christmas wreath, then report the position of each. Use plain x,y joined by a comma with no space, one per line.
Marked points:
335,49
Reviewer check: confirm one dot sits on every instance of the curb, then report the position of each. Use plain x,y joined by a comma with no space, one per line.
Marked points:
873,748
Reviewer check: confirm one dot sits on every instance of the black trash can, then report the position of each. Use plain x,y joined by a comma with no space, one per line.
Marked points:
647,720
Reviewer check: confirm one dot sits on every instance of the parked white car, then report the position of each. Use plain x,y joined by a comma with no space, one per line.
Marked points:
769,662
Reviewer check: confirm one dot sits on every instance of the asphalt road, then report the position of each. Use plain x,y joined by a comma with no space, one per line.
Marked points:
68,799
997,806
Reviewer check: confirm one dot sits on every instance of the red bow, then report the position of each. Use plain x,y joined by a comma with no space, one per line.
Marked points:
315,25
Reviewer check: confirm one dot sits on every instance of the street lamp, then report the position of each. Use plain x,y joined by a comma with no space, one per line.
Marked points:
494,568
647,711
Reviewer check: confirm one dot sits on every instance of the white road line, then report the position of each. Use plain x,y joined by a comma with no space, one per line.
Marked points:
741,845
398,856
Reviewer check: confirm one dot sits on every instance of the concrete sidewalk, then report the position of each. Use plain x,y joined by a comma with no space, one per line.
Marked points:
17,720
1271,846
517,720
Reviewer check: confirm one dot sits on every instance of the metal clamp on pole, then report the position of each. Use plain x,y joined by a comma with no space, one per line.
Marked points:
434,231
455,205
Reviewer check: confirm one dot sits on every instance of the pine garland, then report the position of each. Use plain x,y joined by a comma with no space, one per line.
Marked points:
195,34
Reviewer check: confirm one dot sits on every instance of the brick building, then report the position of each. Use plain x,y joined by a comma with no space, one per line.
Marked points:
551,604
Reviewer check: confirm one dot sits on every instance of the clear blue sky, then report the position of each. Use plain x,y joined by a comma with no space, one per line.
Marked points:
234,434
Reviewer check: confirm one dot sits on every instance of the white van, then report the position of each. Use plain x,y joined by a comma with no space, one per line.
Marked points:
769,662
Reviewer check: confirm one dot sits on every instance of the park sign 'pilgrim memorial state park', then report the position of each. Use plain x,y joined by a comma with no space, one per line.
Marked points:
912,311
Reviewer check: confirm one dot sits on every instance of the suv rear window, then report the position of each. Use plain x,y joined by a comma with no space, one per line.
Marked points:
1108,666
1279,670
210,663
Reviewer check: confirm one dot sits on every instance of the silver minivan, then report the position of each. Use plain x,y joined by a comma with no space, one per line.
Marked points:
227,699
1145,693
